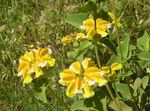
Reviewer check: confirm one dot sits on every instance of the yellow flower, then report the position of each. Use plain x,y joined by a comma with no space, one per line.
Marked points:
80,36
113,19
100,28
108,72
33,62
67,40
79,78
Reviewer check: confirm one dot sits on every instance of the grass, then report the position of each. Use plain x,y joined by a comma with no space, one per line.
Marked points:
41,23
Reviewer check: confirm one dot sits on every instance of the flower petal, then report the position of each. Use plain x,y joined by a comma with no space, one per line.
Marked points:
86,63
70,92
116,66
27,79
76,67
88,92
38,71
66,76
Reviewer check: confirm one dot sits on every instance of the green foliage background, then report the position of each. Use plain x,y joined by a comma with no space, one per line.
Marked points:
42,23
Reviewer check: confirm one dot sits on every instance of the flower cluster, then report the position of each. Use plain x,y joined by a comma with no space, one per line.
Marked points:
92,28
68,39
32,62
80,77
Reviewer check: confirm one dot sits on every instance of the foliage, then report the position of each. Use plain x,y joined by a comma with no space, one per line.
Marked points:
109,62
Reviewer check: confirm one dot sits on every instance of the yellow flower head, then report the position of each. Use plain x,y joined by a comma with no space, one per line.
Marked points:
113,19
101,27
80,36
91,29
108,72
32,62
79,78
67,40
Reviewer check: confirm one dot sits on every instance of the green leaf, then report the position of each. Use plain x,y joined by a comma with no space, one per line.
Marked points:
137,84
114,59
125,47
80,106
123,89
80,51
144,56
76,19
42,94
143,42
88,7
119,106
145,80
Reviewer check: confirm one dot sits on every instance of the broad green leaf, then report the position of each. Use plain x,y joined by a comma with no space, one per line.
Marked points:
114,59
125,47
144,56
80,106
137,84
120,106
88,7
80,51
143,42
76,19
145,80
42,94
123,89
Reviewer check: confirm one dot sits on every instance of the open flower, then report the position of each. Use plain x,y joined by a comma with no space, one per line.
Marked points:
108,72
100,28
79,78
32,62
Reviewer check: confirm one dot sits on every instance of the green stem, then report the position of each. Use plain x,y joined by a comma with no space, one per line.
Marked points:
117,29
60,101
113,98
97,57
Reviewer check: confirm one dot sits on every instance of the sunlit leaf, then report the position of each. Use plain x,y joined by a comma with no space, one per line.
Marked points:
144,56
145,80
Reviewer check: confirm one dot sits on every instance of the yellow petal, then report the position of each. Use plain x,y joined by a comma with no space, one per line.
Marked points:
116,66
88,92
38,71
66,76
102,82
75,67
105,70
70,92
42,52
102,33
92,73
78,82
27,79
86,63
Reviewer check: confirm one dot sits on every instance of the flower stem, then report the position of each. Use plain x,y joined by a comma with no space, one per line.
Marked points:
116,26
113,98
97,57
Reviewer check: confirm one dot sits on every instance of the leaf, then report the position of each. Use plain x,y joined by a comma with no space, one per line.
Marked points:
121,104
144,56
42,94
145,81
88,7
125,47
80,51
123,89
137,84
143,42
80,106
114,59
76,19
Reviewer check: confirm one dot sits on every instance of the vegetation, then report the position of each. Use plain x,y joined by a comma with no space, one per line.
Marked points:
74,55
